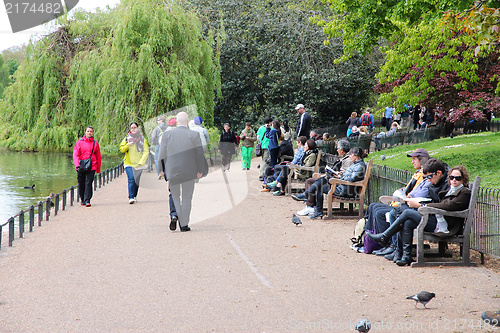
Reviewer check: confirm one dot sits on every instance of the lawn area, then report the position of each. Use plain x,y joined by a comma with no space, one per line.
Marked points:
479,153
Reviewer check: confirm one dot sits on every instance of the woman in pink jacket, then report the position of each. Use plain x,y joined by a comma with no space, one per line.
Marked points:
86,147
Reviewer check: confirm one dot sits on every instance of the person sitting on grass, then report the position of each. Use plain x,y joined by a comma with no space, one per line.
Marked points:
354,173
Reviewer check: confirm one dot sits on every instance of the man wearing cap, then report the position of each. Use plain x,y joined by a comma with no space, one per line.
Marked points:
376,214
156,137
304,124
202,131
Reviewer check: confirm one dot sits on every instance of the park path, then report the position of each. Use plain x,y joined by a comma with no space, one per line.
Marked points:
244,267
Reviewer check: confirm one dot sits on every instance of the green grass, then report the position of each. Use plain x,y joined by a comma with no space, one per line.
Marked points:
479,153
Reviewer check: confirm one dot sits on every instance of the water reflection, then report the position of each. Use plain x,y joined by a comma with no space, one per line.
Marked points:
49,172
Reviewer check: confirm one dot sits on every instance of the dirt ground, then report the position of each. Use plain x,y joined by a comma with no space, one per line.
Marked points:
244,267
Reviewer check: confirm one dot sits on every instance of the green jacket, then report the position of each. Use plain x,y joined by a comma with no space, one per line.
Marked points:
263,139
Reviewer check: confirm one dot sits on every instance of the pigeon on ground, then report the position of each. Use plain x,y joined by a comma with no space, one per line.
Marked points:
383,157
363,325
296,220
422,297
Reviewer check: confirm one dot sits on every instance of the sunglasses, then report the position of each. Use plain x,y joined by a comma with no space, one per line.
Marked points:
430,176
457,178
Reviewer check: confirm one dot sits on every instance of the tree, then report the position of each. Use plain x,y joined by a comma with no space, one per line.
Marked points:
273,58
4,76
132,63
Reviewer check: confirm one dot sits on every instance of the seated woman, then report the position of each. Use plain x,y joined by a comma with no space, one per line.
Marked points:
394,127
456,198
308,160
354,173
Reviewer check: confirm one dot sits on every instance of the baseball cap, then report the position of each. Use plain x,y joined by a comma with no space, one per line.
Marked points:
198,120
299,106
172,122
420,152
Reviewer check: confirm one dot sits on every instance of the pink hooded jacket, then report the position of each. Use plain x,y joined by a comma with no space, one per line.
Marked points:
82,150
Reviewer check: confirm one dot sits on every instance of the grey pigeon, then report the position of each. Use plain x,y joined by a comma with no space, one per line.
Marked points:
422,297
363,325
296,220
383,157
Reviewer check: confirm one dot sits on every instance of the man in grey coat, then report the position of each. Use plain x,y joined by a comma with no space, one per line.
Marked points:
182,159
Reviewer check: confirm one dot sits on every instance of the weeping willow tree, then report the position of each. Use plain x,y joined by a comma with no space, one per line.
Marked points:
142,59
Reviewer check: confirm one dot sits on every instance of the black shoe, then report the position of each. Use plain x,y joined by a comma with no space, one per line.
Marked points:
299,197
186,228
388,250
405,260
317,214
173,223
379,238
261,179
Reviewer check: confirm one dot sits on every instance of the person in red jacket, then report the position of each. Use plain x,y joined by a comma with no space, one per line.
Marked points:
86,147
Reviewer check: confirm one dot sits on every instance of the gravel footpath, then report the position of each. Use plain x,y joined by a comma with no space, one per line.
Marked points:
244,267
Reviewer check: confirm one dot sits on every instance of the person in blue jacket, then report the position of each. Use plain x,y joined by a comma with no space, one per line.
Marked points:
273,135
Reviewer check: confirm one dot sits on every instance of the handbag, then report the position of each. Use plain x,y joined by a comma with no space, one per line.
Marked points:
258,150
86,164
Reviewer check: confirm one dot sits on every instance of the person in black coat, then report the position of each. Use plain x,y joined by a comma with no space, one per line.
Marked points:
183,162
227,146
304,124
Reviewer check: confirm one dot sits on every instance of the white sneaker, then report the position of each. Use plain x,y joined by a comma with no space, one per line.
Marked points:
131,201
306,211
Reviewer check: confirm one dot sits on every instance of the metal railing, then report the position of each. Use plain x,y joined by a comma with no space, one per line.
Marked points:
60,201
485,233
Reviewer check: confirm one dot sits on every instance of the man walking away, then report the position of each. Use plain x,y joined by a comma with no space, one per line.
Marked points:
181,155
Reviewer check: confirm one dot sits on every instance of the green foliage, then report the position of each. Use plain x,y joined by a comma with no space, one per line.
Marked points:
477,152
273,58
4,75
362,24
107,69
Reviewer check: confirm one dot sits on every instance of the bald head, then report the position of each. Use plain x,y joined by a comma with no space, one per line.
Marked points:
182,118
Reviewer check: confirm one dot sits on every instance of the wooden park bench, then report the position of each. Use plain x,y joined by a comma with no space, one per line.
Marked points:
463,239
358,200
301,183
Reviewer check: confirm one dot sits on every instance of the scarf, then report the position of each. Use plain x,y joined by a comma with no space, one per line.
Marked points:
454,189
138,139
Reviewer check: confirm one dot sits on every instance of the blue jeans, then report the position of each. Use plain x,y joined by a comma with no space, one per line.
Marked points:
133,176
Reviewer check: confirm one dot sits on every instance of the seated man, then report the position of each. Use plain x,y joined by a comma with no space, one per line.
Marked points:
376,214
394,127
340,166
442,197
354,173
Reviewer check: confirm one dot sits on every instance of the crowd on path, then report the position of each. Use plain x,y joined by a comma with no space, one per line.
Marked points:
388,225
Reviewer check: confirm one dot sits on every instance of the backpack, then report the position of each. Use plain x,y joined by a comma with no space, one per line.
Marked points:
365,119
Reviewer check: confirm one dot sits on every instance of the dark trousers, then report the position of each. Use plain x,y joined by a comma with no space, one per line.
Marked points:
173,212
182,195
85,190
226,161
320,187
375,217
274,156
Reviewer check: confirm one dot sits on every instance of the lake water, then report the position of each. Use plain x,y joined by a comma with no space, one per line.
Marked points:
49,172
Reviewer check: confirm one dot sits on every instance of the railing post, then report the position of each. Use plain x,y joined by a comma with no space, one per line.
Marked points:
21,224
11,231
100,179
95,182
47,210
40,213
72,195
64,200
1,232
32,218
56,208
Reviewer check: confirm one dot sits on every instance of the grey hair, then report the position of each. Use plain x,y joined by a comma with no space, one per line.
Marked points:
344,145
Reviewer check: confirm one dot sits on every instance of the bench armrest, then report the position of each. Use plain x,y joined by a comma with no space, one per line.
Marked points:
425,210
334,181
300,167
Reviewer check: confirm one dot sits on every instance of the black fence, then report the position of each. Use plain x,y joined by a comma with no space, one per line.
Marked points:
40,212
406,135
485,234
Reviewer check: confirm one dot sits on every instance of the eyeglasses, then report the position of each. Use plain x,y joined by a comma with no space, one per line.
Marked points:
457,178
430,176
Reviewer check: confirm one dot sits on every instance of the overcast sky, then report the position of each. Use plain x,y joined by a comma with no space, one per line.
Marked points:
9,39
